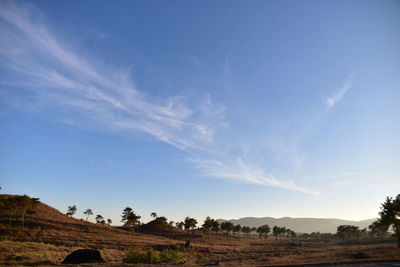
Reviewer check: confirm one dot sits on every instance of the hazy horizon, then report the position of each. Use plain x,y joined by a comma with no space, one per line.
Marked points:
227,109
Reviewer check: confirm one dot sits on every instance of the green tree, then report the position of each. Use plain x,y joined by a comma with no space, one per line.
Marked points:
88,212
71,211
129,218
263,231
390,215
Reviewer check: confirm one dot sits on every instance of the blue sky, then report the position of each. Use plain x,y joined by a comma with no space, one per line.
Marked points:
197,108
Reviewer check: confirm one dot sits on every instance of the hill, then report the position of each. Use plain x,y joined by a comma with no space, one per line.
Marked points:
301,225
49,225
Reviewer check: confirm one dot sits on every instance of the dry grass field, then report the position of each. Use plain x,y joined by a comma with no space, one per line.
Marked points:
49,236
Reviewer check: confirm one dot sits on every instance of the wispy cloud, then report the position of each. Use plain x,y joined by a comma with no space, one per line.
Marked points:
59,76
331,101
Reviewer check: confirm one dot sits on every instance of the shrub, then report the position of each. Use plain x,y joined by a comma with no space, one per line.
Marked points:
134,255
172,256
137,255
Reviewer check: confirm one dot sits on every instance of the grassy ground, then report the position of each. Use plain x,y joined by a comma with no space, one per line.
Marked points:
243,252
49,236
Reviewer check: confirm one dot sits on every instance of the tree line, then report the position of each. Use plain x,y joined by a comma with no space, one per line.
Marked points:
17,207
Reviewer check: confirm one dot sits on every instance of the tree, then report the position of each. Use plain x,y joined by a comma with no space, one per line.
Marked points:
348,231
278,231
25,205
215,227
237,228
190,223
129,218
390,215
109,222
88,212
8,207
246,230
71,211
291,233
100,219
180,225
227,227
154,215
377,229
263,231
208,222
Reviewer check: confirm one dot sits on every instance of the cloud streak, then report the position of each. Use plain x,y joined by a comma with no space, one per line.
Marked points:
61,79
334,99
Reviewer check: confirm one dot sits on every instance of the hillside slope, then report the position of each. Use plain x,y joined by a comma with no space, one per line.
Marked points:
49,225
301,225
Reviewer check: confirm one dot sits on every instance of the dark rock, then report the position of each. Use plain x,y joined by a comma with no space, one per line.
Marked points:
360,255
83,256
187,244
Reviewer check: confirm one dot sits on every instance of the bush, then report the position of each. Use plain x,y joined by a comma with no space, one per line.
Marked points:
170,255
137,255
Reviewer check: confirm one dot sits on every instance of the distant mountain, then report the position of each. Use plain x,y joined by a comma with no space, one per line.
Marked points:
300,225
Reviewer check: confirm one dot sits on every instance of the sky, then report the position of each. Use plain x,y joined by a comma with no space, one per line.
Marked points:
226,109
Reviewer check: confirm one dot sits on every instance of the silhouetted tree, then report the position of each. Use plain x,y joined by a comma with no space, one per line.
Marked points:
215,227
291,233
88,212
100,219
171,223
377,229
208,222
263,231
180,225
278,231
237,228
71,211
153,214
109,222
227,227
129,218
390,215
348,231
190,223
246,230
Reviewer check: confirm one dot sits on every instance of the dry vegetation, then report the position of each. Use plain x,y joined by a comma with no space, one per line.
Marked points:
50,235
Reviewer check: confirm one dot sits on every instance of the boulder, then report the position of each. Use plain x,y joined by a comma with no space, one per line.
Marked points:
360,255
83,256
187,244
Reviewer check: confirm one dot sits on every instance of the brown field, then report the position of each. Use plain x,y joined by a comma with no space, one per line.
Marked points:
49,236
